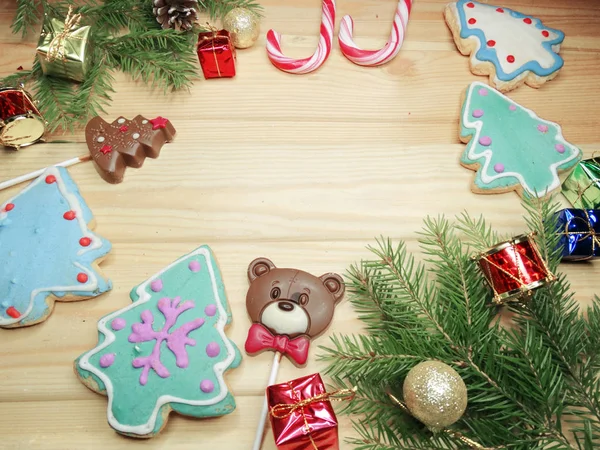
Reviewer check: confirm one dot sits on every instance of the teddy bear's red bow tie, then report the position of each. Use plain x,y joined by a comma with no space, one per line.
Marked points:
259,338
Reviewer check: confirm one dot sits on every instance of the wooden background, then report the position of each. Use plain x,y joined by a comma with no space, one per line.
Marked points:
305,170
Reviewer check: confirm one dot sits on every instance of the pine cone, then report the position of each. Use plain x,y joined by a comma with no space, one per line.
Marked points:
177,14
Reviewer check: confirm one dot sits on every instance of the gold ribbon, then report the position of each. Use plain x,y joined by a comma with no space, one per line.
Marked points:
56,49
283,410
590,233
455,434
213,38
581,192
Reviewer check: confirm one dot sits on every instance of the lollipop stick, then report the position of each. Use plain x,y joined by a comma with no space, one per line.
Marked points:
265,410
37,173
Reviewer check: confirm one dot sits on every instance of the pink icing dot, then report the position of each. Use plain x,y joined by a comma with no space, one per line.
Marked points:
478,113
210,310
512,107
194,266
485,140
107,360
213,349
560,148
156,285
542,128
207,386
118,324
499,167
483,92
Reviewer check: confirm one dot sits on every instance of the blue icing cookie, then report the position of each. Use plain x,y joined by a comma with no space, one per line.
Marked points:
47,250
510,147
511,47
166,351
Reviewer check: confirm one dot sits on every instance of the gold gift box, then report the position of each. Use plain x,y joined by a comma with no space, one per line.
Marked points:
63,49
582,187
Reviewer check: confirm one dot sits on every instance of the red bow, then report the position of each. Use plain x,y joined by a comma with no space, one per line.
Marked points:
259,338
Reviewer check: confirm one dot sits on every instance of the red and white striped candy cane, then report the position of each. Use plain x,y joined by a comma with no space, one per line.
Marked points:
375,57
306,65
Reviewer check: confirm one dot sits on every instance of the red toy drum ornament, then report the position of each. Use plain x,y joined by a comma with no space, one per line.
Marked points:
514,268
21,124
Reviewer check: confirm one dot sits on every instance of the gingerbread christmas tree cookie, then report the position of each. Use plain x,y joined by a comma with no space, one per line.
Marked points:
167,351
48,252
512,48
510,147
125,143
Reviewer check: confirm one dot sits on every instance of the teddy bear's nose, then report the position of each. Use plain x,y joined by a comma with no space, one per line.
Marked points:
286,306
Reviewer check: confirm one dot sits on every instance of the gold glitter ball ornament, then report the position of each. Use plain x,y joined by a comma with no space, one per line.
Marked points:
435,394
243,25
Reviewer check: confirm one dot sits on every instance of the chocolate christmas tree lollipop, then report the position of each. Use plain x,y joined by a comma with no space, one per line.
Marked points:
125,143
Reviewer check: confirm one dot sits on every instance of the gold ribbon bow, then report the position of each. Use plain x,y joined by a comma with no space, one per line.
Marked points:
283,410
590,233
56,49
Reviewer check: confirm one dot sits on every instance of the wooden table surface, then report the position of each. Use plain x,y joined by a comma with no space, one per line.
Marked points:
306,170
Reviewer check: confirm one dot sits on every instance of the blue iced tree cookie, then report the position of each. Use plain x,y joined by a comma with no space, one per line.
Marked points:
48,252
510,147
167,351
512,48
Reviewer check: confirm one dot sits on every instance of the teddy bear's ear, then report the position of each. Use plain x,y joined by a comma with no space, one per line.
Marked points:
259,267
334,284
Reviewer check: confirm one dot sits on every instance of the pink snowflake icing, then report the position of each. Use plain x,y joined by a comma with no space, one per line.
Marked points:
176,340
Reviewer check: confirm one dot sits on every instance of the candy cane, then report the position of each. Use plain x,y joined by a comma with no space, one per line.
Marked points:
306,65
390,49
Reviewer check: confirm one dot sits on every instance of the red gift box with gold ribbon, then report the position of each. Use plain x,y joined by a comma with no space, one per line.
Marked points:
216,54
301,414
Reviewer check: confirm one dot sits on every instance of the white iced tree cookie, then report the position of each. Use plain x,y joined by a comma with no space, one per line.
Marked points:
512,48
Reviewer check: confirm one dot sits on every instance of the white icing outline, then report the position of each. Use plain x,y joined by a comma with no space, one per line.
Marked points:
96,243
487,154
144,297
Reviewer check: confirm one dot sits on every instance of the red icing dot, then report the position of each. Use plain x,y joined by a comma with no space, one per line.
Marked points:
12,312
82,277
69,215
50,179
510,58
9,207
491,43
472,21
500,10
470,5
123,128
527,20
545,33
85,241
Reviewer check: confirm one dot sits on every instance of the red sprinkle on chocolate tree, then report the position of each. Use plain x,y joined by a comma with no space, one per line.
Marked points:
125,143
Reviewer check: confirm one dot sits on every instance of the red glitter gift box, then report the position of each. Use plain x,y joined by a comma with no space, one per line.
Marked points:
216,54
301,414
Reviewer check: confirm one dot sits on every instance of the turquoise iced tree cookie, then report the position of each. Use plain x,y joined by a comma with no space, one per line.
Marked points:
510,147
512,48
48,252
167,351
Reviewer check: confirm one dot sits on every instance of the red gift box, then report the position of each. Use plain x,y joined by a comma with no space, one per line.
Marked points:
301,414
216,54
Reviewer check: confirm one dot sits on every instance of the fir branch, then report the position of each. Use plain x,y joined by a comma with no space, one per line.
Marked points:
93,94
28,16
165,62
219,8
112,16
17,78
54,97
479,234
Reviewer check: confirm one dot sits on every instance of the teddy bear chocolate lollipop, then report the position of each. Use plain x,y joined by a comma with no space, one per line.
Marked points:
288,307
